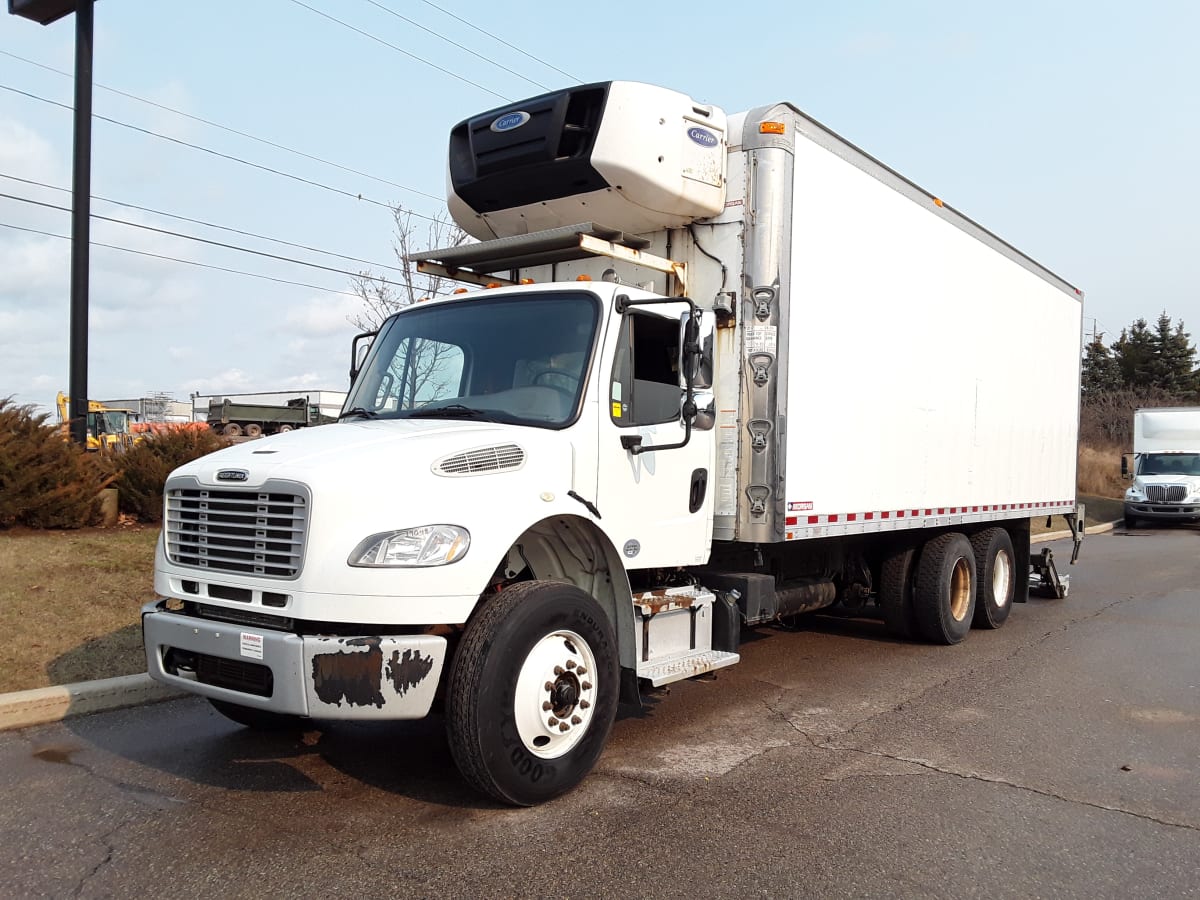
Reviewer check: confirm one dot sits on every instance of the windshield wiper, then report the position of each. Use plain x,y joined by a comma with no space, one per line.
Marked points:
360,412
453,411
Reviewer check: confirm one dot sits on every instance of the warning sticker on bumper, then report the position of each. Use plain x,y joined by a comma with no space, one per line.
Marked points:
252,645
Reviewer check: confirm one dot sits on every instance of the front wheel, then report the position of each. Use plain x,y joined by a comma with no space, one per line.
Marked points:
532,692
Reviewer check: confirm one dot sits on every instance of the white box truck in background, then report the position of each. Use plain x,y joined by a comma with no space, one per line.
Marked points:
1166,466
728,370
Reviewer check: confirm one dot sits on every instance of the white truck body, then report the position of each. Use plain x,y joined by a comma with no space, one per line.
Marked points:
828,387
1166,466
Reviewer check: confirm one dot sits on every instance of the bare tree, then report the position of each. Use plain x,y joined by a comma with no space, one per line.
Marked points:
382,295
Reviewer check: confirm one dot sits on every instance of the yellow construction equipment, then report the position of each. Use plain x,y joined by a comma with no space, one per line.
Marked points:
107,428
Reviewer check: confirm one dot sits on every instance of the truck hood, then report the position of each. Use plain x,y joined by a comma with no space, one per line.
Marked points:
360,449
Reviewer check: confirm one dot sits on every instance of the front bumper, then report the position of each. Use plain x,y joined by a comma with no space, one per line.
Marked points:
1143,509
322,677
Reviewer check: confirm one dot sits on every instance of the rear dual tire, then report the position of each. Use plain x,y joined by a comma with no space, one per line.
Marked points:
995,564
944,591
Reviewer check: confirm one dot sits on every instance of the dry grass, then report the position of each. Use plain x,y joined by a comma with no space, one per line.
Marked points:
1099,472
69,603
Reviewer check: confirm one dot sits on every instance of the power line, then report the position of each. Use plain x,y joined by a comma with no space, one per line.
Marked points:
200,240
159,212
380,40
186,262
442,37
216,153
229,129
502,41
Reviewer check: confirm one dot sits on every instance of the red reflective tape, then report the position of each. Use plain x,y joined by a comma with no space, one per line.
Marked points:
791,520
833,518
852,517
813,520
886,514
869,516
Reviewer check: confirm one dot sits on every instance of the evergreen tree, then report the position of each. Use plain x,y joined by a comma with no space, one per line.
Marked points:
1133,352
1174,358
1101,373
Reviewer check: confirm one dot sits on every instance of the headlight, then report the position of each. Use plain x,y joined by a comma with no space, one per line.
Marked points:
1133,494
429,545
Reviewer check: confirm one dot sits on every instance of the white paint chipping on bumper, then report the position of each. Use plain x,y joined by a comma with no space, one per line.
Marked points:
322,677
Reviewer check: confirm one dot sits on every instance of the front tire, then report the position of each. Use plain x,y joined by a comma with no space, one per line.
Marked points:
532,692
944,596
997,583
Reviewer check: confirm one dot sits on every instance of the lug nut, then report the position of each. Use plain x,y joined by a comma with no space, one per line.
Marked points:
549,685
547,706
583,704
571,664
552,722
558,670
563,726
575,720
581,671
587,685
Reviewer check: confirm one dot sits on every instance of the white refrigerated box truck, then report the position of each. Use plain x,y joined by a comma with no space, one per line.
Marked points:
723,371
1165,483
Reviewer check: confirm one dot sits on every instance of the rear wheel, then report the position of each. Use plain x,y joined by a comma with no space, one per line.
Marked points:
253,429
896,593
284,428
944,594
997,583
532,692
232,429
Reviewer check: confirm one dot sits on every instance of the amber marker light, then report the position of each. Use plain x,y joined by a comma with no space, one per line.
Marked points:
459,291
493,284
771,128
937,201
583,277
527,281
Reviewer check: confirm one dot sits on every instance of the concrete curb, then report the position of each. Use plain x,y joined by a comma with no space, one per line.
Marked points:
1091,529
53,704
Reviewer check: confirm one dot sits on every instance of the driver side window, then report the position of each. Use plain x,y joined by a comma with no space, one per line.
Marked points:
645,382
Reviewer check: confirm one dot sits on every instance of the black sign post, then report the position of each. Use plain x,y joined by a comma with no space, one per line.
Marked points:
45,12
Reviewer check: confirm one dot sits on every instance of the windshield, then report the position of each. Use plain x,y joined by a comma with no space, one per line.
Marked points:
111,422
519,359
1169,464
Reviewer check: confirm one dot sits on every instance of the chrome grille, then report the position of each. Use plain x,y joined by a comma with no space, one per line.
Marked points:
486,459
1166,493
251,531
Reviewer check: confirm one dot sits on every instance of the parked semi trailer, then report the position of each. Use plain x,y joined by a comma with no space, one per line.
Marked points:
731,369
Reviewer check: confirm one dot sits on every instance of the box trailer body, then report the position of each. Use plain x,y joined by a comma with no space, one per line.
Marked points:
1166,466
810,383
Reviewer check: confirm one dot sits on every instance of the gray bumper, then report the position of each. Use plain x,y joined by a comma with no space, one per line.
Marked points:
367,677
1142,509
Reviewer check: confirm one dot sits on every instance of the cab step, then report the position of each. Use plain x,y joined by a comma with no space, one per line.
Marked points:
674,635
685,665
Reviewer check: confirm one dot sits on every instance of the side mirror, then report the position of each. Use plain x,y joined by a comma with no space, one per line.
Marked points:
359,348
1125,466
696,348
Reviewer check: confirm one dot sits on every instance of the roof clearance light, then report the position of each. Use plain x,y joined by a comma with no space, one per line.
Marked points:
583,277
937,201
492,284
771,128
527,281
459,291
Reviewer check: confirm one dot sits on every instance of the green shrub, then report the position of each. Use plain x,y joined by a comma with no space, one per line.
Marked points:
146,465
45,480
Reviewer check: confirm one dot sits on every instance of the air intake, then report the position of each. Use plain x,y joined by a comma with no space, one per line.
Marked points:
504,458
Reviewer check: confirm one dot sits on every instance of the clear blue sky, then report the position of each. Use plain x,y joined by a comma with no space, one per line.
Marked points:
1068,128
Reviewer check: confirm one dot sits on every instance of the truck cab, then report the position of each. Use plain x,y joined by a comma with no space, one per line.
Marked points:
1165,477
